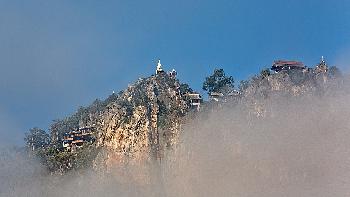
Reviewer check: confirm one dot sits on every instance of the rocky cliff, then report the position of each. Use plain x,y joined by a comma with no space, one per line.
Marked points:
143,122
289,84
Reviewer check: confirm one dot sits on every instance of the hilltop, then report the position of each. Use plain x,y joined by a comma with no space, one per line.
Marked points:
144,121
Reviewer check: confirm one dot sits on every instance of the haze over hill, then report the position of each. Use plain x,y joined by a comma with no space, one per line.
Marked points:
282,133
252,108
299,148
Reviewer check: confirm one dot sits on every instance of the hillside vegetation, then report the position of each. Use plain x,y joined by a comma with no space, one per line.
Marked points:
144,121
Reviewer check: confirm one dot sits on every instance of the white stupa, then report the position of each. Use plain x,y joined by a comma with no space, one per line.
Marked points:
159,67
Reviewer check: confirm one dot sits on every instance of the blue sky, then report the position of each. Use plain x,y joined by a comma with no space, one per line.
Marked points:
58,55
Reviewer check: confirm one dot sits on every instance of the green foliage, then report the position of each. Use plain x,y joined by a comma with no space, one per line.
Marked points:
243,85
334,72
260,86
62,161
59,127
85,156
218,82
185,88
111,98
36,138
265,73
162,115
297,77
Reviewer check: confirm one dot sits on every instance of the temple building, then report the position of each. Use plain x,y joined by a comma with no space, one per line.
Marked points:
195,100
75,139
221,97
321,70
172,74
281,65
216,96
322,66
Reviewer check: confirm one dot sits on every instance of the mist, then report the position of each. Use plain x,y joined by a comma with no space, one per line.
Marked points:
299,148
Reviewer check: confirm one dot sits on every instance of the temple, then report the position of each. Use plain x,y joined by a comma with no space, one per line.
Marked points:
322,66
321,70
172,73
216,96
195,100
220,97
281,65
159,68
76,139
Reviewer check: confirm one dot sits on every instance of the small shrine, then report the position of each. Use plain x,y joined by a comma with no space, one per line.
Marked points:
159,68
173,73
322,66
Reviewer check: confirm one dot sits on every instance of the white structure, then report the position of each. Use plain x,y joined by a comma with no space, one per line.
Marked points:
322,66
159,68
195,100
216,96
173,73
220,97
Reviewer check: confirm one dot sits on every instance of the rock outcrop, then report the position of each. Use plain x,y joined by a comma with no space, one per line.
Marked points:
288,84
143,122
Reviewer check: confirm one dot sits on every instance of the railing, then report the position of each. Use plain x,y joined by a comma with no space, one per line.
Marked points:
77,141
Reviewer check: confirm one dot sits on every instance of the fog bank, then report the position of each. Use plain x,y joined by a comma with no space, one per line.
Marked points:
301,148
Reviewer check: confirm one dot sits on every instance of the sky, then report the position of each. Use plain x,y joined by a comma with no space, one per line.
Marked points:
58,55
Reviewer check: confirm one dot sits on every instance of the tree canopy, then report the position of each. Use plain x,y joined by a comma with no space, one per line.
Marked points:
36,138
218,82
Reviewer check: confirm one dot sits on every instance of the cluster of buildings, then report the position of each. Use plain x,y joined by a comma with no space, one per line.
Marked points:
284,65
277,66
218,96
281,65
194,98
320,70
76,138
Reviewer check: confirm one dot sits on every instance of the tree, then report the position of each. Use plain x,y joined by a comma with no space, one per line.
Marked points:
265,73
185,88
111,98
244,84
218,82
36,138
334,72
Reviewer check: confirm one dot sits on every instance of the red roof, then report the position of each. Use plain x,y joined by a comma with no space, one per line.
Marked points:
288,63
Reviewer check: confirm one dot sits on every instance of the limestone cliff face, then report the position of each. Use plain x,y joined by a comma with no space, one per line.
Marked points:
285,84
143,122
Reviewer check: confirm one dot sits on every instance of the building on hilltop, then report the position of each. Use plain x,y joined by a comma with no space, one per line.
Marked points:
216,96
75,139
159,69
281,65
321,70
220,97
195,100
172,74
322,66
